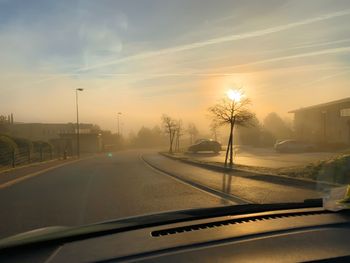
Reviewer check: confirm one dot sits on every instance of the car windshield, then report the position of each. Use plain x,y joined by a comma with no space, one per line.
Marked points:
111,109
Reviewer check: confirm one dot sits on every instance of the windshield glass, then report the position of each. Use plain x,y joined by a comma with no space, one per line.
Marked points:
111,109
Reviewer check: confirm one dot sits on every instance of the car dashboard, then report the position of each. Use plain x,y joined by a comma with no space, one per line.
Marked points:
294,235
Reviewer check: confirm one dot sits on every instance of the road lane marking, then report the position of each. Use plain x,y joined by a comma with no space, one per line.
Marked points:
208,190
31,175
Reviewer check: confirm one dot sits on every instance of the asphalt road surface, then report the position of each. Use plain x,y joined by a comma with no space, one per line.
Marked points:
127,184
93,190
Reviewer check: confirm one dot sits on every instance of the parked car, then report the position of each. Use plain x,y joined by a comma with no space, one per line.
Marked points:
293,146
205,145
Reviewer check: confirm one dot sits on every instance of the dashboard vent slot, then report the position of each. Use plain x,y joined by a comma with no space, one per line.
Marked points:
196,227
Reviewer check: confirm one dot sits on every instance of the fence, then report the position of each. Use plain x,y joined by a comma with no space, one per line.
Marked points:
24,156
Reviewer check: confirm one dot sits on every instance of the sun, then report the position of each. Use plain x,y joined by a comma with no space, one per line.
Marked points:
234,95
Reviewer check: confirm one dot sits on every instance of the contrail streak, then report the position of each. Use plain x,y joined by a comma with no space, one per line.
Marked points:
209,42
324,78
211,72
219,40
303,55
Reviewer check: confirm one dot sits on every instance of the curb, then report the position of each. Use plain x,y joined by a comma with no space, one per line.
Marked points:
252,174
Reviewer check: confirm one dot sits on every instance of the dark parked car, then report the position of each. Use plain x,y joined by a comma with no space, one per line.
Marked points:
294,146
205,145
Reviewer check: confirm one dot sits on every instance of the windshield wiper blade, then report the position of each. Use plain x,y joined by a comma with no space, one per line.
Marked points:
60,235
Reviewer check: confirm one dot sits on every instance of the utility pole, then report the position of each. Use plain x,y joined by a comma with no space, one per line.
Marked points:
324,113
78,134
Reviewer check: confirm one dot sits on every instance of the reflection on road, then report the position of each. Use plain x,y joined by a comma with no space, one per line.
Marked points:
226,183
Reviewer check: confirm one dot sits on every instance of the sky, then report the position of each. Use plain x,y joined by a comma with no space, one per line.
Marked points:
147,57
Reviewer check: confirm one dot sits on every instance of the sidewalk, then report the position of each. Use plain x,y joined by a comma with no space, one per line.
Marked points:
13,174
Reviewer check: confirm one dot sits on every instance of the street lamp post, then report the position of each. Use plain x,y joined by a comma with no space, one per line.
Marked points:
121,128
78,135
119,113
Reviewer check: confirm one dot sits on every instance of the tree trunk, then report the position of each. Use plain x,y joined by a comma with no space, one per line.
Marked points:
231,146
228,148
172,135
170,143
178,143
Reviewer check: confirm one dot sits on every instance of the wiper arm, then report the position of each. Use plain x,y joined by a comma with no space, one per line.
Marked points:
69,234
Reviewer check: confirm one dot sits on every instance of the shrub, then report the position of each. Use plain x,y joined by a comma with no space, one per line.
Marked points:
7,144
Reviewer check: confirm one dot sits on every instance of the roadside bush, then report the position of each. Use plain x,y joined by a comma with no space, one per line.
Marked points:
7,148
24,144
42,146
336,170
7,144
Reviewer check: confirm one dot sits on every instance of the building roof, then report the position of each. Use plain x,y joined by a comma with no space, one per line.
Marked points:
321,105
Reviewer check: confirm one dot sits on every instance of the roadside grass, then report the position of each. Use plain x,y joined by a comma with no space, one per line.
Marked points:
334,170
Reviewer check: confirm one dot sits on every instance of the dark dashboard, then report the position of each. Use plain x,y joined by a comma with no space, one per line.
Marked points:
294,235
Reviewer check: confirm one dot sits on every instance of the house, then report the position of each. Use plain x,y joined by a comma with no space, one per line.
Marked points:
326,123
63,136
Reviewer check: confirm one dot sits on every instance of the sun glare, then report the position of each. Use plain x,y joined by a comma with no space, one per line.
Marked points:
234,95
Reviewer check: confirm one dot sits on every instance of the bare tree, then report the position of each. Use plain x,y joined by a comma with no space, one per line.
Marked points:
232,111
169,126
178,134
214,128
192,131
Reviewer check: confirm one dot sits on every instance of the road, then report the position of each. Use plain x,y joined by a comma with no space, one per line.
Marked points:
265,157
126,184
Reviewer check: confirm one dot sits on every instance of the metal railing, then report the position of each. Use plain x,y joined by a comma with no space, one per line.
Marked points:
23,156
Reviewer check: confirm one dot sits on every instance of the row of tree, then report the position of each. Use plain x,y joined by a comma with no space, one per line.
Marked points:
174,134
232,111
265,133
175,130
